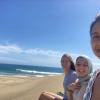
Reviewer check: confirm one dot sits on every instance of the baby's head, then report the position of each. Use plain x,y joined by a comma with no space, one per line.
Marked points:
83,66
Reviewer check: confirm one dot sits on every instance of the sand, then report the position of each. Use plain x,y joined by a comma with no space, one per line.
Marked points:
28,88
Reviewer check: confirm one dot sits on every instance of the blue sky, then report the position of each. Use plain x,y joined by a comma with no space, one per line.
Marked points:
38,32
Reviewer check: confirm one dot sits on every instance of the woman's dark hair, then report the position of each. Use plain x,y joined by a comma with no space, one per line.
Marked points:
97,19
70,59
80,57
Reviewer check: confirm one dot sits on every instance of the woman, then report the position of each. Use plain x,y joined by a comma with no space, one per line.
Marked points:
69,71
70,76
83,68
93,89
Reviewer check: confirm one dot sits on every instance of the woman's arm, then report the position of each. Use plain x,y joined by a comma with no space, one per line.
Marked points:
71,88
49,96
70,94
96,89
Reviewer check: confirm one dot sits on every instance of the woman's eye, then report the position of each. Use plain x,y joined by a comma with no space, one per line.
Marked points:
78,64
96,37
85,65
82,65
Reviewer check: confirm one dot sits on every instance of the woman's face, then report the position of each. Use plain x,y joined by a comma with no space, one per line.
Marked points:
95,39
65,62
81,67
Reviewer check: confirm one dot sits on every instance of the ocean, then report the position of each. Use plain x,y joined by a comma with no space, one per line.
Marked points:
28,70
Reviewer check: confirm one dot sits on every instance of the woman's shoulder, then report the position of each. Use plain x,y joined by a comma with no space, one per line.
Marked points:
97,80
93,86
96,88
74,75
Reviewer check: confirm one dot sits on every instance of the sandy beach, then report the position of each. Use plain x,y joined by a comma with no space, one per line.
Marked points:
28,88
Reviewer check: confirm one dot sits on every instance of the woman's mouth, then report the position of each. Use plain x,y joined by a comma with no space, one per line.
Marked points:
97,50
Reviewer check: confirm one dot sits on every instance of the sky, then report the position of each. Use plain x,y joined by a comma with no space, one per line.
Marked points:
38,32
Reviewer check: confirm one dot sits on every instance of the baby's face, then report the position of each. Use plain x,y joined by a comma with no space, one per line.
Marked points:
82,67
95,39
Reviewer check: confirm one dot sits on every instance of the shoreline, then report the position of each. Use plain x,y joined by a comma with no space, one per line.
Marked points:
29,75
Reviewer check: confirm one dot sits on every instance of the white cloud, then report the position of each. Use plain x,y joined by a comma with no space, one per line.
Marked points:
6,49
17,55
37,51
